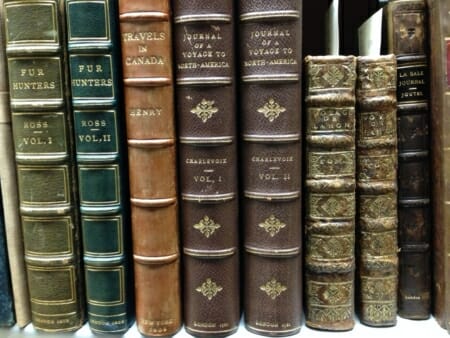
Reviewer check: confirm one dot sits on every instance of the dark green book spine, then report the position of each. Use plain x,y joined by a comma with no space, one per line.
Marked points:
43,144
93,47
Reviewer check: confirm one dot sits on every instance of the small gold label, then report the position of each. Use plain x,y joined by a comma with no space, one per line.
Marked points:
272,225
209,289
271,110
205,110
273,288
207,226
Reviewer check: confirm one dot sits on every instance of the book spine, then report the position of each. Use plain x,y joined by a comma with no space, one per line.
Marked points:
330,192
270,107
94,64
376,169
10,199
414,214
7,317
439,18
146,38
43,140
206,115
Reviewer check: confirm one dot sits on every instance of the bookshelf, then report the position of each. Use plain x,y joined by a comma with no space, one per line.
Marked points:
404,328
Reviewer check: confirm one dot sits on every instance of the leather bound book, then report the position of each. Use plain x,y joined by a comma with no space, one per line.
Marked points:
150,123
376,172
94,63
439,18
269,35
44,151
7,317
408,35
206,115
330,191
8,183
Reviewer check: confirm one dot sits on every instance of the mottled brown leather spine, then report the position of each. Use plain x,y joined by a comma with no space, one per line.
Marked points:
439,18
270,107
204,52
149,108
330,192
414,210
376,170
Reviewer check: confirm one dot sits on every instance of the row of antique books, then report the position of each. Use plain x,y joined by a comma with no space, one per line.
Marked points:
186,163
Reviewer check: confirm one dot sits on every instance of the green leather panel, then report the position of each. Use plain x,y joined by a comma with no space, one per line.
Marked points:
81,12
91,76
38,133
48,236
96,131
99,184
35,78
33,22
102,236
39,186
104,285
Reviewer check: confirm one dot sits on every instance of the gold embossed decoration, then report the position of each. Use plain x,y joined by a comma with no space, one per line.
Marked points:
209,289
271,110
207,226
334,75
272,225
273,288
205,110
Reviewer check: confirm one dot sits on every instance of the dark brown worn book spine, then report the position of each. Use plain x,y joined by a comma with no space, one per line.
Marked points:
270,107
206,114
376,169
439,18
330,192
407,38
44,152
149,108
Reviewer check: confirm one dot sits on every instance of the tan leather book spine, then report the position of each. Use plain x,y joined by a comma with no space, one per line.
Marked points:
439,18
407,23
10,196
376,170
330,192
146,38
204,52
269,35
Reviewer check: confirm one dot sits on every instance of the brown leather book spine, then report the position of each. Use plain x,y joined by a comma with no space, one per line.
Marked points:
149,108
330,192
206,115
270,107
439,18
414,211
376,170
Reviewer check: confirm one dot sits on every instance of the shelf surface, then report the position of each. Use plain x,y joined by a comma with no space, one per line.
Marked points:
404,328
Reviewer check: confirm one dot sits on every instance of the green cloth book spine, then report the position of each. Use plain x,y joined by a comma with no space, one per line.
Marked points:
43,145
94,64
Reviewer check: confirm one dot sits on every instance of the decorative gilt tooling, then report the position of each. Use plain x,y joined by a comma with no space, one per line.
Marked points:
272,225
271,110
273,288
207,226
205,110
333,76
209,289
